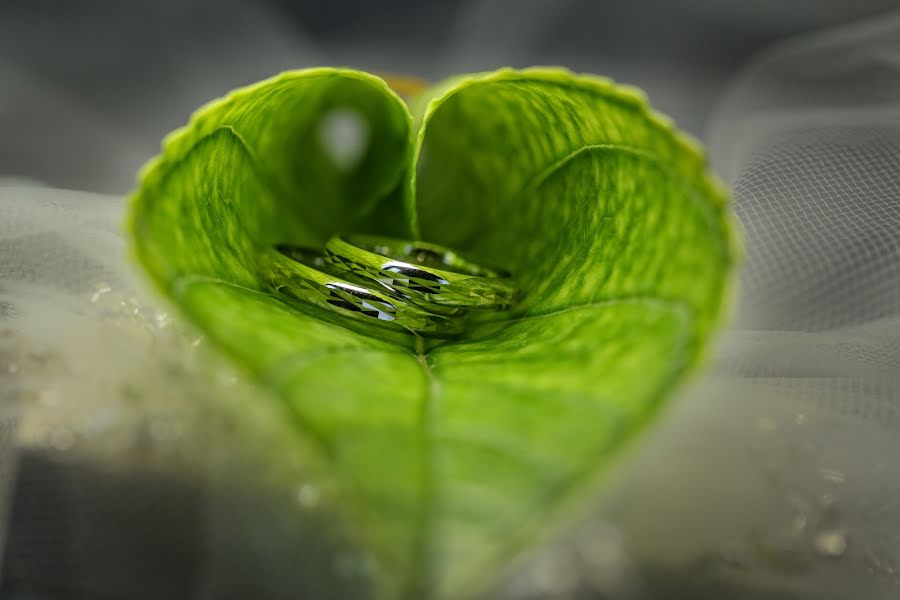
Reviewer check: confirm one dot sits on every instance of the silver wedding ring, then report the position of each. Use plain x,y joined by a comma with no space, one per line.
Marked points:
425,273
302,274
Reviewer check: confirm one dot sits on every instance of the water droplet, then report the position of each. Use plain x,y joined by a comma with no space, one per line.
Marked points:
832,475
798,524
227,378
13,368
307,495
800,419
100,290
831,543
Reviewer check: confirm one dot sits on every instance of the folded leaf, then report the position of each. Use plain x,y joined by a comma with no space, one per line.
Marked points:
451,456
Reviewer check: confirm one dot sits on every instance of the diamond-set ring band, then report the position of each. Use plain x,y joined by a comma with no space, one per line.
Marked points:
423,272
301,273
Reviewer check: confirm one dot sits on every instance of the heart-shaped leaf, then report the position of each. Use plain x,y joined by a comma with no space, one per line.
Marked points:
451,456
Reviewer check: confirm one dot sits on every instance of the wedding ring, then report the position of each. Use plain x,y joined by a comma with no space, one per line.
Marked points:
421,271
301,273
318,260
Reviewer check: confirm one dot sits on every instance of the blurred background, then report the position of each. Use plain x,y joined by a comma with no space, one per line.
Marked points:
89,87
772,477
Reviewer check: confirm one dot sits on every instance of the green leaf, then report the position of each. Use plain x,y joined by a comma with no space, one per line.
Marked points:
451,457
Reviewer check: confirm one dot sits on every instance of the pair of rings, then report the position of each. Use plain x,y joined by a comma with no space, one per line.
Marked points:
416,286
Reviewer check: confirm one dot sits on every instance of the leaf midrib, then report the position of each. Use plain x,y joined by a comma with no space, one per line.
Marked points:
424,550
